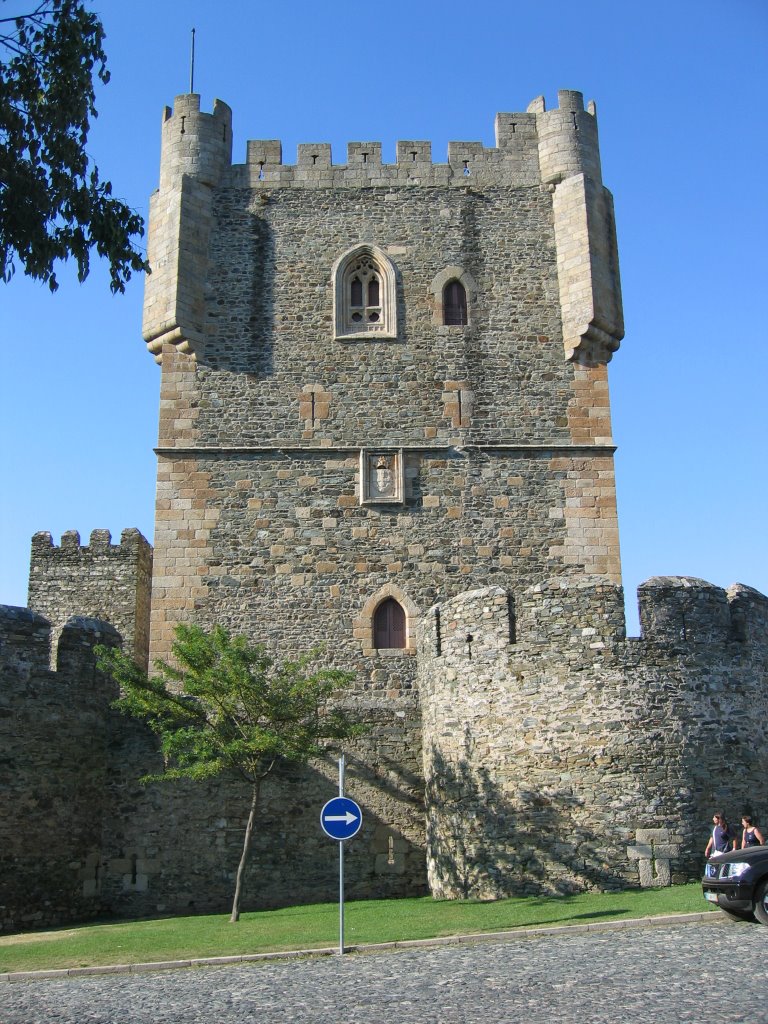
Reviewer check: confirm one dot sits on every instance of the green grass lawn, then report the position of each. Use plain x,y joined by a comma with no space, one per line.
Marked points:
181,938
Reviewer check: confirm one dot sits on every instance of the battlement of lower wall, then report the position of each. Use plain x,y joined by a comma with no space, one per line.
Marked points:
98,580
29,646
674,610
100,542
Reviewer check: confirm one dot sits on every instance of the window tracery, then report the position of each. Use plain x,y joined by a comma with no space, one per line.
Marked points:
364,312
365,302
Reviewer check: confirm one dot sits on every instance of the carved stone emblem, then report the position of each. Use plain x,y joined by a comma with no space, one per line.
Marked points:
381,477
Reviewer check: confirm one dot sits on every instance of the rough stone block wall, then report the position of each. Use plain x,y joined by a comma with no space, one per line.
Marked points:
81,836
560,756
100,580
174,847
54,739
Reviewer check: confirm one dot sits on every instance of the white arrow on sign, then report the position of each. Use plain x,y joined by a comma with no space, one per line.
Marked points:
347,818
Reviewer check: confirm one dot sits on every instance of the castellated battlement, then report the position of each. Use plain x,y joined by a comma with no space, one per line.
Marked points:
683,609
532,147
674,611
29,646
100,580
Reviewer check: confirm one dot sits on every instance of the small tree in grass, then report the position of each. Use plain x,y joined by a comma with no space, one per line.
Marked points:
228,706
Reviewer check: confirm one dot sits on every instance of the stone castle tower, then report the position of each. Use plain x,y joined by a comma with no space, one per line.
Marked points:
385,428
380,383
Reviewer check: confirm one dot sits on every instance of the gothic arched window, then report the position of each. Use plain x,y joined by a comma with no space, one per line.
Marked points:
389,625
454,304
364,295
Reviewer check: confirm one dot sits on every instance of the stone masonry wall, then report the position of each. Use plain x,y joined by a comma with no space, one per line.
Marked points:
54,756
174,847
560,755
82,837
507,446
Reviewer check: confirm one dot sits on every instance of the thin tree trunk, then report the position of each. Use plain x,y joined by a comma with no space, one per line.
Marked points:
235,916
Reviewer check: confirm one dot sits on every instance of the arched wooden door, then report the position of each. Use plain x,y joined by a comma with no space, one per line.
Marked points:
389,625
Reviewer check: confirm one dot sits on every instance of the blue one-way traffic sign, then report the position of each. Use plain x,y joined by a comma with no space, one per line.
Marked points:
341,818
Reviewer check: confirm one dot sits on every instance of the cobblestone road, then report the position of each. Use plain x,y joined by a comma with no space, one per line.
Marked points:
661,975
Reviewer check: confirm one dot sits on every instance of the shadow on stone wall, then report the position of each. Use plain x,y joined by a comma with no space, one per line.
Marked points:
483,845
241,305
174,847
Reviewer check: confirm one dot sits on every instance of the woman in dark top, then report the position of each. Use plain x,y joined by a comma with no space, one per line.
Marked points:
751,836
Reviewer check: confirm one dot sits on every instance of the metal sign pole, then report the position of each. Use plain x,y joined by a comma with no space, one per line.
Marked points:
341,898
341,866
341,819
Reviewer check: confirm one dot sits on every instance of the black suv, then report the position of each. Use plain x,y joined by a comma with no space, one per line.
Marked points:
738,883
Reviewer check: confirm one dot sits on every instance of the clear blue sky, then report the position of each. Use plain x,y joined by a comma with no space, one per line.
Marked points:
681,94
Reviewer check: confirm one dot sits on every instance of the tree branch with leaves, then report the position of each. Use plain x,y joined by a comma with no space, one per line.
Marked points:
225,706
53,203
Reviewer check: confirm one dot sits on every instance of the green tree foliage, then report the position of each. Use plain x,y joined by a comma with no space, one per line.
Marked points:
227,706
53,204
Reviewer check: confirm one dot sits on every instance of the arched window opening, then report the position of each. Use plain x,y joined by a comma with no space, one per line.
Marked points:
365,295
454,304
389,625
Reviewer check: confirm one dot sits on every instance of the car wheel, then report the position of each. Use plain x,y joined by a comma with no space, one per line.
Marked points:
761,902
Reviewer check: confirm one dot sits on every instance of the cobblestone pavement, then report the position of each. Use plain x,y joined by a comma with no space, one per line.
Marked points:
662,974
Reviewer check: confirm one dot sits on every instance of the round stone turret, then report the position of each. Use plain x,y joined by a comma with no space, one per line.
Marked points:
568,142
195,143
196,152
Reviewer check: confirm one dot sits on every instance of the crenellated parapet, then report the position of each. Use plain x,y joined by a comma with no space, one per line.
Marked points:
98,580
25,646
534,147
683,609
571,610
679,610
28,647
749,614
